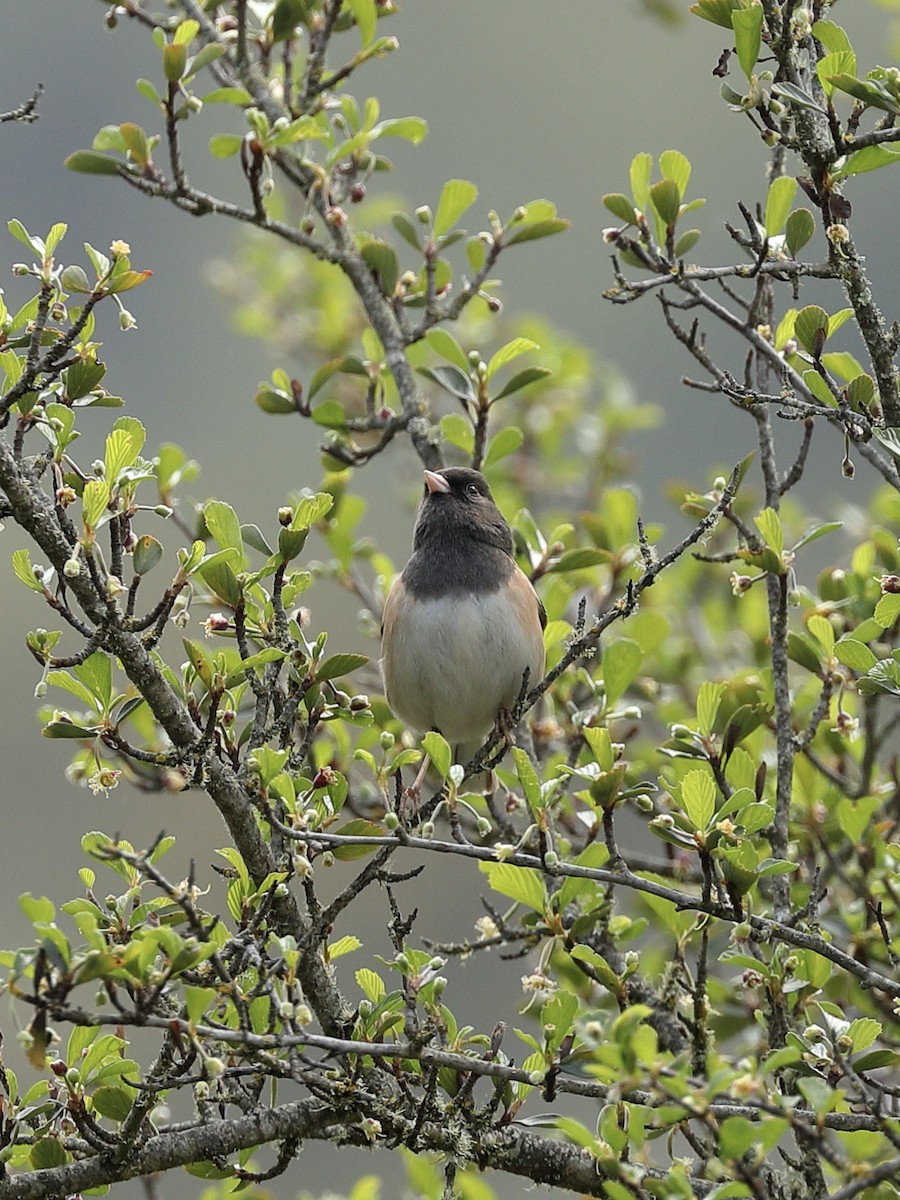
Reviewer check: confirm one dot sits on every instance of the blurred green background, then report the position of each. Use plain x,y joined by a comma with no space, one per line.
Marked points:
527,99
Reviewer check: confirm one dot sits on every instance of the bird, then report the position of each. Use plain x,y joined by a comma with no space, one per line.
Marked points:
462,623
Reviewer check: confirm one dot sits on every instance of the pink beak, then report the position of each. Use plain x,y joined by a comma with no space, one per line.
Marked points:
435,482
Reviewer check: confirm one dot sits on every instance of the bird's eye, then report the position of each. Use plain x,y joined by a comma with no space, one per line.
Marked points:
472,490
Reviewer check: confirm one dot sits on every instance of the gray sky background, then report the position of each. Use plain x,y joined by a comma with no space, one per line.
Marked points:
524,97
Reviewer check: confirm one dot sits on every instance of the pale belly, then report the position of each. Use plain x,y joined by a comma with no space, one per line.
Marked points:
459,662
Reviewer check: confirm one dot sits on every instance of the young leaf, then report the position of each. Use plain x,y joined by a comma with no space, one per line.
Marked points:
456,196
698,798
778,203
506,354
799,228
747,26
438,750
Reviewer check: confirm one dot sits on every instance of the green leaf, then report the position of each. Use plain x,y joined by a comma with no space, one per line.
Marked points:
456,196
274,402
823,631
838,62
365,14
870,158
798,229
525,885
676,166
221,579
601,969
709,698
147,553
522,379
458,431
24,571
778,203
862,1032
452,380
46,1153
112,1102
842,365
621,662
887,610
381,259
438,750
810,325
861,392
174,62
869,91
89,162
686,242
537,229
222,522
504,443
817,532
819,387
698,798
286,16
185,32
136,143
224,145
506,354
797,96
410,233
747,26
639,177
338,665
123,445
768,523
853,654
832,36
370,984
94,500
620,206
528,777
446,345
411,129
96,675
312,509
666,199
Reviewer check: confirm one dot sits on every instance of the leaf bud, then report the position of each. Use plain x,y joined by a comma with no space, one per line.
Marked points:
386,740
391,821
423,214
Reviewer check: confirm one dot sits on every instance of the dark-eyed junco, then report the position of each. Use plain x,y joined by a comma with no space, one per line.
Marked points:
462,623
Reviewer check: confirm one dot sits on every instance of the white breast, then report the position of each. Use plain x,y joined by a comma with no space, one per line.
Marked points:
455,662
